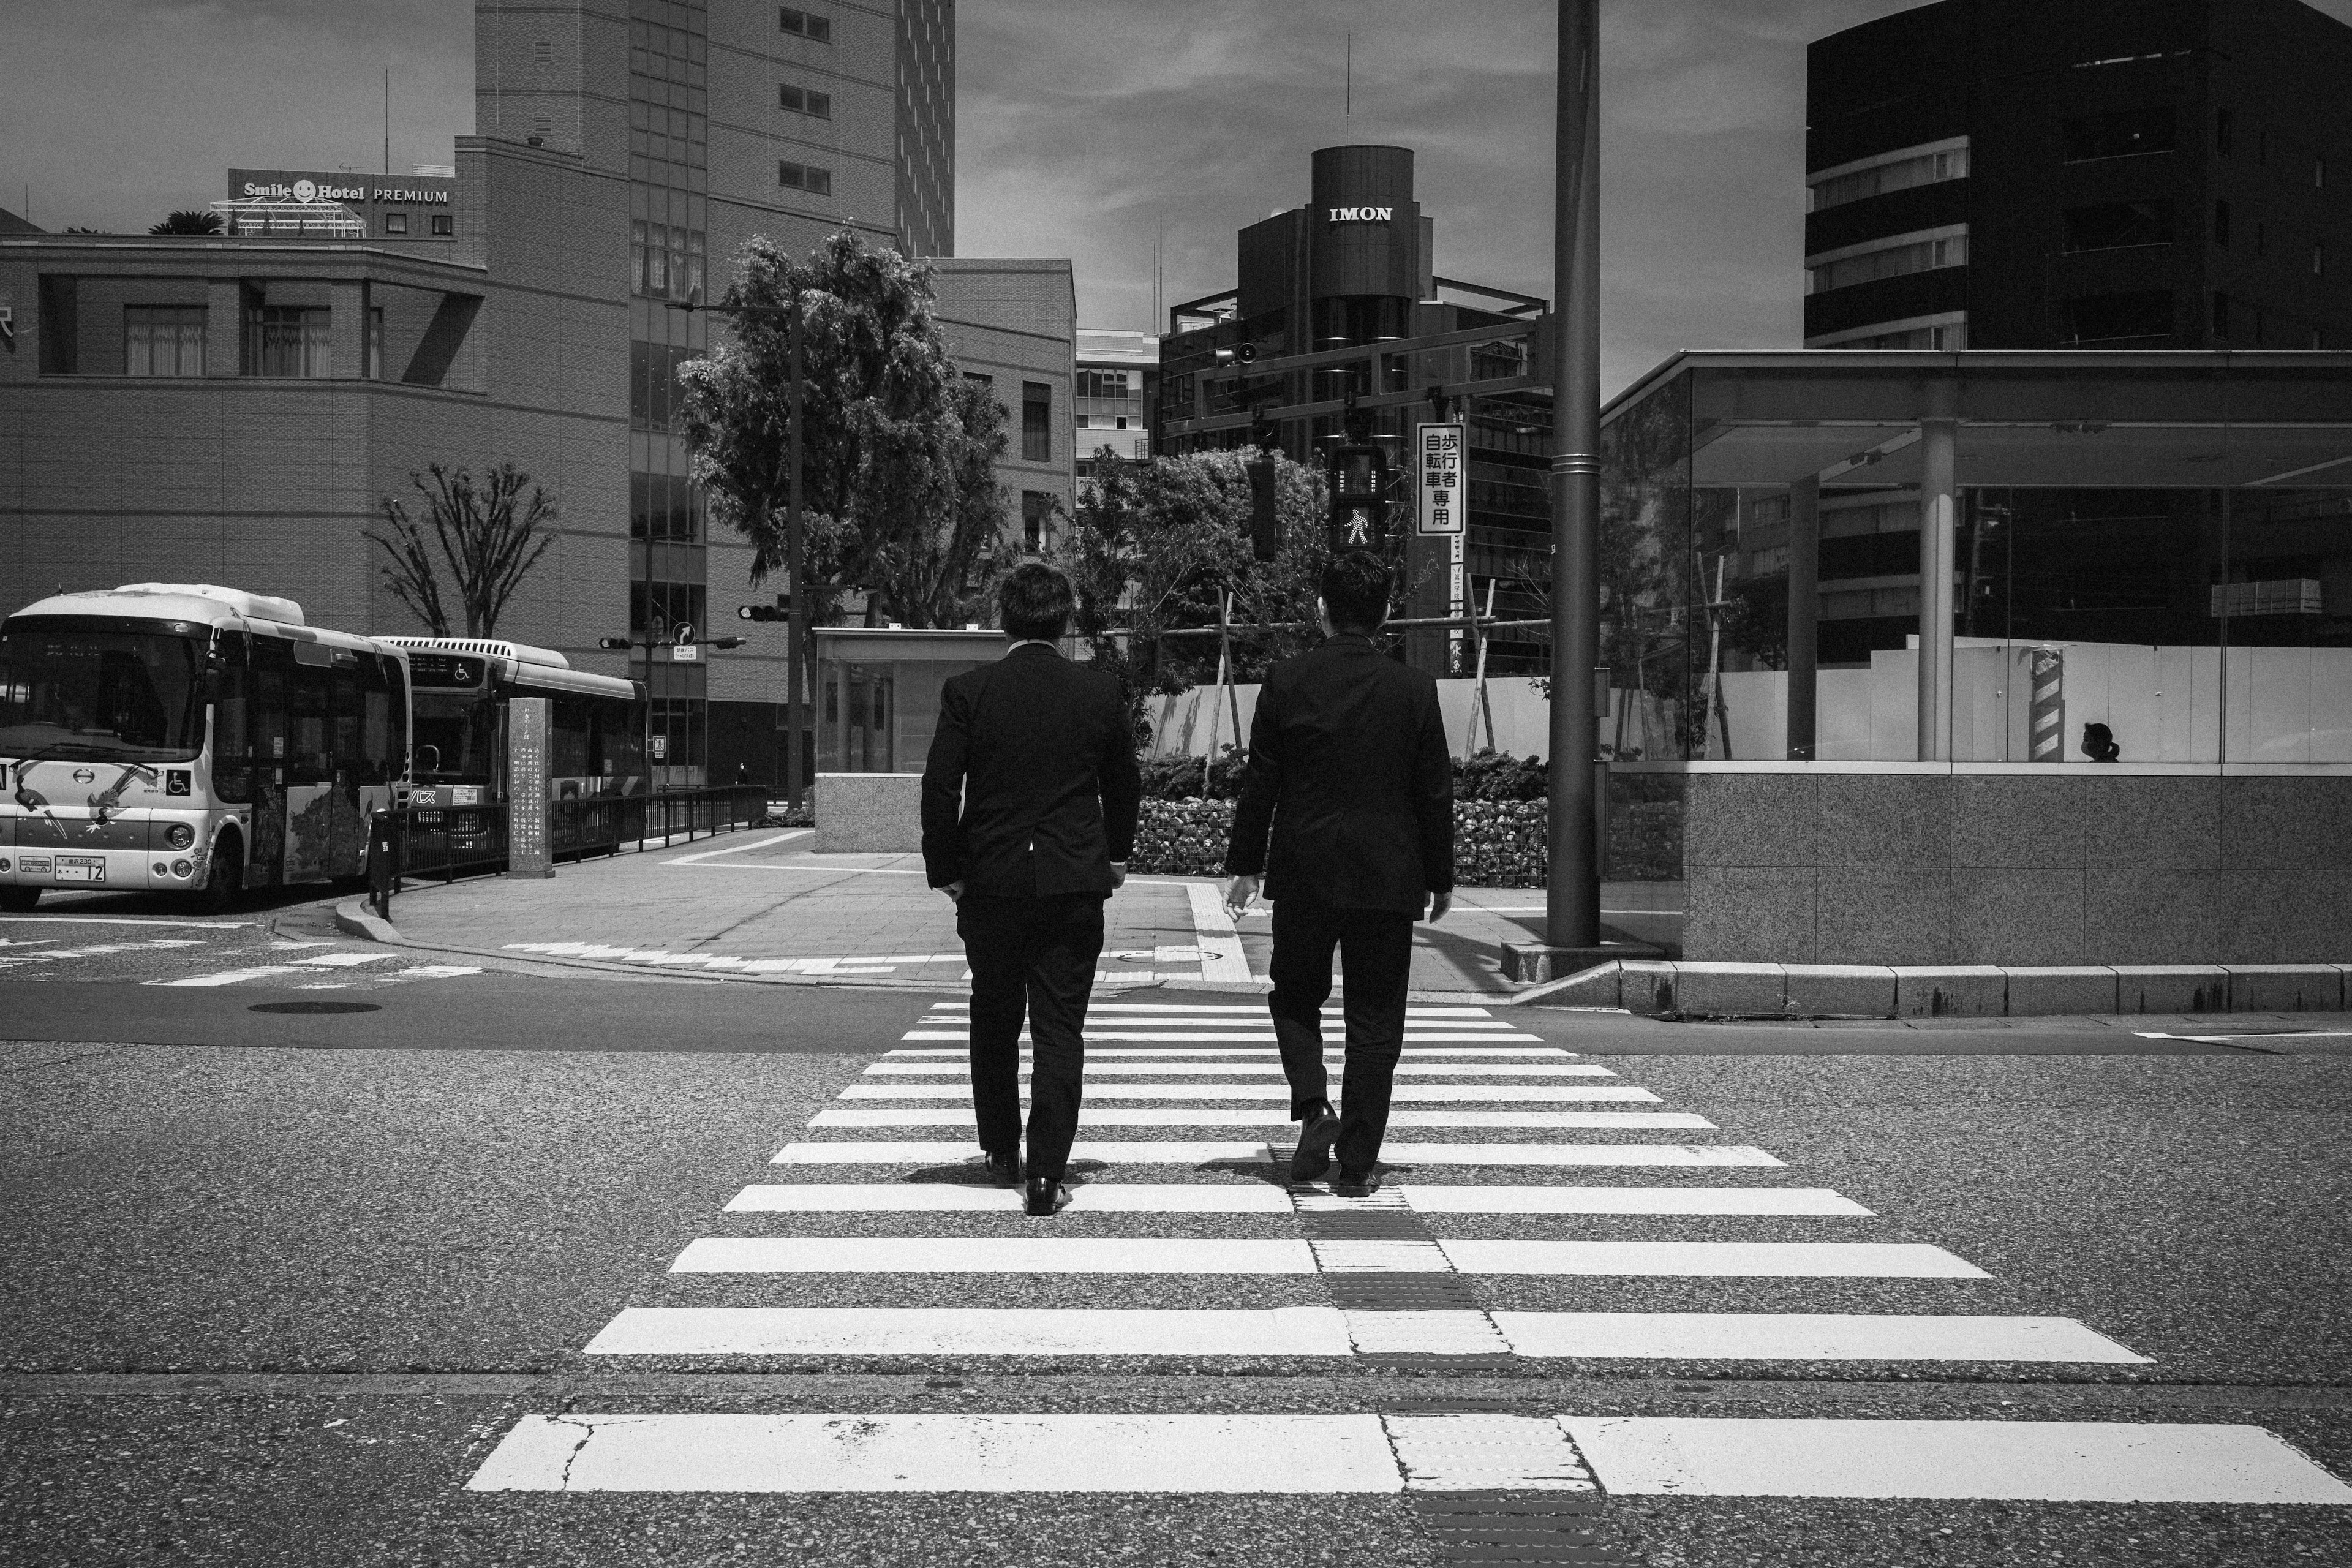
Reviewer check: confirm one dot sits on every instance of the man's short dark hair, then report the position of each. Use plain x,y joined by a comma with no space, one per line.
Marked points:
1356,592
1034,601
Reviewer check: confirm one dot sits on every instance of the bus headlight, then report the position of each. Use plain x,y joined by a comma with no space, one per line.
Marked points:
181,868
4,862
179,836
162,869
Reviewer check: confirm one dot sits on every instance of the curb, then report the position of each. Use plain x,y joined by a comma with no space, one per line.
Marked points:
352,918
1663,989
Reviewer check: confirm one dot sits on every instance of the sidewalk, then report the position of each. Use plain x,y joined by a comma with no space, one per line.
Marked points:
761,906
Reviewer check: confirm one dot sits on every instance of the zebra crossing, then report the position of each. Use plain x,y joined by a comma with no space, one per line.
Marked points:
199,961
1491,1239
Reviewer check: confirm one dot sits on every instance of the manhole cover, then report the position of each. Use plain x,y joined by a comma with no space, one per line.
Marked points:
314,1007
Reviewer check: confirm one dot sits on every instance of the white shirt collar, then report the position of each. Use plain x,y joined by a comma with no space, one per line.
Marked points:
1034,642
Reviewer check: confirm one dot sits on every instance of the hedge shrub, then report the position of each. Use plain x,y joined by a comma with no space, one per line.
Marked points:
1496,844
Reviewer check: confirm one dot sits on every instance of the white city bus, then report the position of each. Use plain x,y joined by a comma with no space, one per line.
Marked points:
596,777
187,738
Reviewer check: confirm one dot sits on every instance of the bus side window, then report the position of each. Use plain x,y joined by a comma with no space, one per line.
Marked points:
347,755
233,715
395,692
273,671
379,762
309,730
569,751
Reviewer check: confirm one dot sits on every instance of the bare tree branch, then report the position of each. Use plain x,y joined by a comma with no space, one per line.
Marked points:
487,546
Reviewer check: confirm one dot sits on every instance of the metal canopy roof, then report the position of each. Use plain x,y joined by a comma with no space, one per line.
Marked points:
2157,420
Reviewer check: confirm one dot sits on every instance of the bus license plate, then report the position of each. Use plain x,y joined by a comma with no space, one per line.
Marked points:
80,868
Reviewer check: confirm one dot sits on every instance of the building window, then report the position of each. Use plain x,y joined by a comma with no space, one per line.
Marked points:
806,177
2222,126
1890,257
2142,313
1036,521
443,225
1036,422
806,24
1893,172
802,100
666,507
663,607
664,259
163,340
2119,225
543,52
290,342
2125,133
1939,334
395,223
2221,224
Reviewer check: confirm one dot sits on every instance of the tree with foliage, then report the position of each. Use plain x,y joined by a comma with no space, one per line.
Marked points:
189,220
1156,543
489,536
898,480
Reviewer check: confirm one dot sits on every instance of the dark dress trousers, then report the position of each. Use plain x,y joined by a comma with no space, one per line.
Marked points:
1347,812
1029,794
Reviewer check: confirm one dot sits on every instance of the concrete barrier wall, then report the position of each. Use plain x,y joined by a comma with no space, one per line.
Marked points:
2080,868
873,813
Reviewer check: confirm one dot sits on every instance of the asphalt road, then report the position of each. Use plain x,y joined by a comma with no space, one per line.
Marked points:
277,1283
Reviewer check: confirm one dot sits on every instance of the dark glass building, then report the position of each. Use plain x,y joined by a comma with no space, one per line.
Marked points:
2017,174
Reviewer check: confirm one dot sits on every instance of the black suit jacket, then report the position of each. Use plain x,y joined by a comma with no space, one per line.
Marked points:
1350,771
1031,788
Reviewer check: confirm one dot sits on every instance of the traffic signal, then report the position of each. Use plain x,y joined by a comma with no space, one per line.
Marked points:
616,644
1359,491
727,642
764,612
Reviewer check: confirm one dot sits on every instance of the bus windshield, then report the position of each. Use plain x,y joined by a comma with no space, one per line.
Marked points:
100,695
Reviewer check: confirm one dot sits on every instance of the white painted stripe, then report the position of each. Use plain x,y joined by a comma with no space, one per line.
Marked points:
1425,1093
1157,1116
1715,1259
1221,1053
1138,1151
231,976
2036,1461
1228,1037
344,960
591,1451
1630,1200
973,1330
959,1071
989,1255
1485,1453
1220,943
127,921
1807,1336
1425,1333
438,972
1257,1009
936,1154
939,1197
740,849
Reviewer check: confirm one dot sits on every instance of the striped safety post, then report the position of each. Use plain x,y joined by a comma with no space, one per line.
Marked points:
2047,667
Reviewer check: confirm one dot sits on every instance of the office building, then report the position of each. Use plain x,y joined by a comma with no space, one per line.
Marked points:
238,408
2013,174
1117,389
1341,300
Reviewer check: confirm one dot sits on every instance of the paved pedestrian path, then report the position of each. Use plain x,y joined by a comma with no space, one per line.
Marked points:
763,906
1491,1245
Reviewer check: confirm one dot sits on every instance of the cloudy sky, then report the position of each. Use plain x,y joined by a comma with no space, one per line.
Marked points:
1083,125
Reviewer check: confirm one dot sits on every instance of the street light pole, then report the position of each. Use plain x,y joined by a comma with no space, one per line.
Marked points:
796,707
1572,896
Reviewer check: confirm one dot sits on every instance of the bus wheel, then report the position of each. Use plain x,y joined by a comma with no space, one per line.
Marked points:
225,879
17,900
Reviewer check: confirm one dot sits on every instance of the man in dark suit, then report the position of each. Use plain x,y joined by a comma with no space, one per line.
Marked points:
1349,772
1029,804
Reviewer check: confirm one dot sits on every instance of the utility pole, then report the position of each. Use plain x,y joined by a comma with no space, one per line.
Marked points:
1572,898
796,577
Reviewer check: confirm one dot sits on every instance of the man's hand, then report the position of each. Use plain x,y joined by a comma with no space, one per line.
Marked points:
1238,894
1438,904
1117,875
954,890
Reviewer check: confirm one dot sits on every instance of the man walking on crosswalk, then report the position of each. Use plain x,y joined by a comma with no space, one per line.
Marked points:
1350,779
1030,796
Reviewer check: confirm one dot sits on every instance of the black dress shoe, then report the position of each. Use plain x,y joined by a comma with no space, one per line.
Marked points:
1045,1196
1004,1170
1316,1133
1355,1184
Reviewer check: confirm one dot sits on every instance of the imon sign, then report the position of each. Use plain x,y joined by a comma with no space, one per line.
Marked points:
1361,214
1437,470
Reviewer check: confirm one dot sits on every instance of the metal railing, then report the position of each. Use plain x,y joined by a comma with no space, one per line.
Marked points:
442,843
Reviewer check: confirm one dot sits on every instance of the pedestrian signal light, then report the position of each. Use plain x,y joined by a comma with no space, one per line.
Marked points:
1360,486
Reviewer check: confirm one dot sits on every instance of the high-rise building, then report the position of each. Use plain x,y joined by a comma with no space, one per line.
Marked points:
2017,174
